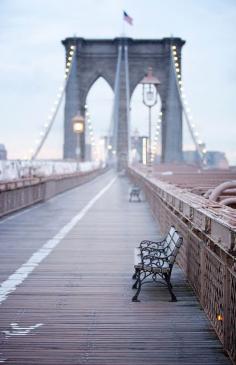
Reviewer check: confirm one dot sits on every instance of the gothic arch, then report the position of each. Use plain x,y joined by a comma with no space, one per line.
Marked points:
93,79
98,58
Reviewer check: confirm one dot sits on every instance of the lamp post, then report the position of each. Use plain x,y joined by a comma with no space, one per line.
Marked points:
78,128
150,84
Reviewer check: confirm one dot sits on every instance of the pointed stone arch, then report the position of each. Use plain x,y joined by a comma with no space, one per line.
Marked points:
93,79
98,57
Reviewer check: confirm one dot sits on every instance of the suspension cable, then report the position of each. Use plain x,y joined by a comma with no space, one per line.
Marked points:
200,146
157,134
48,126
114,117
127,97
90,129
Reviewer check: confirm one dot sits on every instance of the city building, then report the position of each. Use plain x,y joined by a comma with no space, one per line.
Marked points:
214,159
3,152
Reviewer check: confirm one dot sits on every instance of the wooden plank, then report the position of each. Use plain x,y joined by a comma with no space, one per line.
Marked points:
81,293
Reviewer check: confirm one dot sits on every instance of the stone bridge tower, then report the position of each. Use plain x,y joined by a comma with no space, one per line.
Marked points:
98,57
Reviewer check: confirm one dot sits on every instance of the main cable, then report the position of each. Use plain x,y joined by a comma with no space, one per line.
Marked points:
200,148
48,126
127,98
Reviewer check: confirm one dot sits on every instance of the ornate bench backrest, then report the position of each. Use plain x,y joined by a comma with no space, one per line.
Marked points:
174,242
170,235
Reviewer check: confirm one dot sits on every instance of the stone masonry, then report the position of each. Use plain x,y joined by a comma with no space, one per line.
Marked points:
98,58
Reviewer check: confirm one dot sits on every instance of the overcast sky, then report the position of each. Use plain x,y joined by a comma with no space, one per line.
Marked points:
32,64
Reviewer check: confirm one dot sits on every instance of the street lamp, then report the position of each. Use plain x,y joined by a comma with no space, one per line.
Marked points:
150,84
78,128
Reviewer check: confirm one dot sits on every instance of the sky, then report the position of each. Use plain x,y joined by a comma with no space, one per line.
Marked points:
32,65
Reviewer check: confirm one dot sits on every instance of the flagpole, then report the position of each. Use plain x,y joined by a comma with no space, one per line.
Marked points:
128,19
123,25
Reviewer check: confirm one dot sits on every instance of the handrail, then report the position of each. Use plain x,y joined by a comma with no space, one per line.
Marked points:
208,254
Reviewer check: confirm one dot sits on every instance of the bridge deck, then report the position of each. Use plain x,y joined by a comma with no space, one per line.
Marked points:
75,306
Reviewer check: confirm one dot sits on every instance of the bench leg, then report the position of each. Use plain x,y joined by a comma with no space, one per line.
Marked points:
136,285
169,286
138,197
135,274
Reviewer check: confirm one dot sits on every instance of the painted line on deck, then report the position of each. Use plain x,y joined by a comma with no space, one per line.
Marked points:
14,280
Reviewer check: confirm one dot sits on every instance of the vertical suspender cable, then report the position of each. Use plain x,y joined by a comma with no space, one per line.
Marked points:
114,116
127,98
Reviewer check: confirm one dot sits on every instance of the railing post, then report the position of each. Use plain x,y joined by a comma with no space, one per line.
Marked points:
226,325
202,273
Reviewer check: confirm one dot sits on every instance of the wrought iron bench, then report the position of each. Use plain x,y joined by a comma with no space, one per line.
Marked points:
156,260
135,192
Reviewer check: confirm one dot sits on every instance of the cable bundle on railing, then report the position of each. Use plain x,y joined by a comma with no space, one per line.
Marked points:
54,110
200,146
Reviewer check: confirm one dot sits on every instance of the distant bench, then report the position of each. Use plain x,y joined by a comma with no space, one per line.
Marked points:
156,259
134,193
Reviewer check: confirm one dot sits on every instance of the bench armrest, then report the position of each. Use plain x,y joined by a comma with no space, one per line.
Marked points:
155,251
154,261
154,244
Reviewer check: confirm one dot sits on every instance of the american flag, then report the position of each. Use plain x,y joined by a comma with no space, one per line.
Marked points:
127,18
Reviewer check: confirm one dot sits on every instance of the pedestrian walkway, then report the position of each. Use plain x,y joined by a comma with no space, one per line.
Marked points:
70,301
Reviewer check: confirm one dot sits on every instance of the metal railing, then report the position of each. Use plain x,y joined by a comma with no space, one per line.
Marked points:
208,254
24,192
17,169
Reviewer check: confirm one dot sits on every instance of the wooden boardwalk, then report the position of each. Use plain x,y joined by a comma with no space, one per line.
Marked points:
74,306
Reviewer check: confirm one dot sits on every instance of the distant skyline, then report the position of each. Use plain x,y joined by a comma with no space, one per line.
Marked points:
32,64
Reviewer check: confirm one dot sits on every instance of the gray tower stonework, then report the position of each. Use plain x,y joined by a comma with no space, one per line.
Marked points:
98,58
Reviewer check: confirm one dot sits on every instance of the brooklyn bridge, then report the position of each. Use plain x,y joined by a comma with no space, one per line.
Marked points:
69,228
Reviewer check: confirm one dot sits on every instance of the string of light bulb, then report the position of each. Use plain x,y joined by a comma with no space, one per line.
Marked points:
56,105
157,136
200,146
90,126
